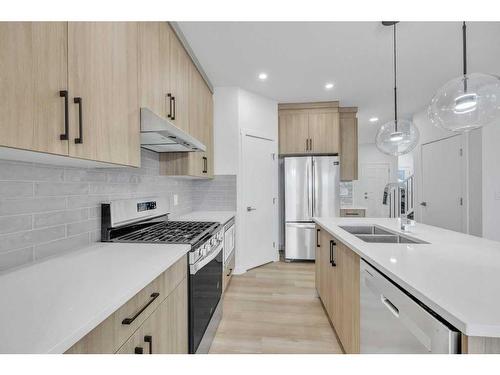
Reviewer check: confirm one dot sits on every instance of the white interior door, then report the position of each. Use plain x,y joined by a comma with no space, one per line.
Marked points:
442,186
259,170
369,189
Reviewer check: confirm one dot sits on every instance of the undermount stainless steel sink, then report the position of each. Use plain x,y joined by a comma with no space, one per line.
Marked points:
372,233
365,229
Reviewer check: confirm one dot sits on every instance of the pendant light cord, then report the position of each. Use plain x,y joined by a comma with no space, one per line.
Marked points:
464,45
395,86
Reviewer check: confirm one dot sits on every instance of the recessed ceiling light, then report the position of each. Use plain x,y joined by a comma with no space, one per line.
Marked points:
373,119
263,76
329,86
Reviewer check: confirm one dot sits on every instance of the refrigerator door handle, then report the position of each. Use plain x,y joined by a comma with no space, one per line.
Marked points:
309,190
313,196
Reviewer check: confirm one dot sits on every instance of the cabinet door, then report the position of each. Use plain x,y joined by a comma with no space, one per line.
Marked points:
33,61
324,132
165,331
179,82
102,64
209,130
349,298
348,147
154,66
325,270
317,263
293,132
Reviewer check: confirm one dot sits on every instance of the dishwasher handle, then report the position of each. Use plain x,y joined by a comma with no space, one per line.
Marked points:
390,306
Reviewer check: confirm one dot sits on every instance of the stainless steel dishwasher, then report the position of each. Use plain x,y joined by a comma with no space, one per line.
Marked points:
393,322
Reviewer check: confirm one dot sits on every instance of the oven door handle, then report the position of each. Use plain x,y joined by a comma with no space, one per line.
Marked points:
193,268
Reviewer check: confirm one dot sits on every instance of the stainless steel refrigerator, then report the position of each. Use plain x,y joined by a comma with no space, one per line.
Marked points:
311,187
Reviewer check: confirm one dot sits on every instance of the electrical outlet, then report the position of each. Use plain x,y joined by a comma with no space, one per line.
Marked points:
176,199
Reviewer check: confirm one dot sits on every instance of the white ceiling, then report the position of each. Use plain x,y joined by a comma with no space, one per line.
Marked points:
300,57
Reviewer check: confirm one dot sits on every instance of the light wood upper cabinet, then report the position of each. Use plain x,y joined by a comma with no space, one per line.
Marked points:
324,132
154,66
348,144
293,132
309,128
179,83
195,164
33,69
102,66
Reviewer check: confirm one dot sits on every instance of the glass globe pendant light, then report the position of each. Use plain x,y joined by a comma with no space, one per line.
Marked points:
399,136
467,102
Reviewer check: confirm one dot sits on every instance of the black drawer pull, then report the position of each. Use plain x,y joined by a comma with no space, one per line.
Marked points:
78,101
317,238
332,261
173,113
130,320
169,96
205,165
230,272
138,350
64,136
149,340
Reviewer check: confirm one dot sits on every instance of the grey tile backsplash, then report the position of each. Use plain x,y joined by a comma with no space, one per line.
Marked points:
46,210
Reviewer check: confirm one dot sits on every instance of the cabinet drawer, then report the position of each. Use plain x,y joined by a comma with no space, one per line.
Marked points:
108,336
165,331
352,212
228,271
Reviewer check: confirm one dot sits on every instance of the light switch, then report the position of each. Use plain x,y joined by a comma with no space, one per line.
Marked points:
176,199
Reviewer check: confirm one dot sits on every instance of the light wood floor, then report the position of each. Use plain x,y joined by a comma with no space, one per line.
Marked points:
274,309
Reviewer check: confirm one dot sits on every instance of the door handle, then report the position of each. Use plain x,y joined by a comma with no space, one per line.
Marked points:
332,261
64,136
149,339
317,238
78,101
251,208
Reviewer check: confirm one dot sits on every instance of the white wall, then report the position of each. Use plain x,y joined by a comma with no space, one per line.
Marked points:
226,130
491,181
236,110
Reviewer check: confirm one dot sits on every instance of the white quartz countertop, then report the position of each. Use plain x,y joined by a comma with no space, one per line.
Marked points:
456,275
217,216
49,306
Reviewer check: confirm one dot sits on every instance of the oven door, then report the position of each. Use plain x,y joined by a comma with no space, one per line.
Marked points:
205,289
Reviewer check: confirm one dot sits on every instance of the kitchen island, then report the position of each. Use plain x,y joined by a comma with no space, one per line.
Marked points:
455,275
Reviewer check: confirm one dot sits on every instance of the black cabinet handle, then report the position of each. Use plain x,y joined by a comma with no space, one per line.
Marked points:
130,320
78,101
332,261
138,350
310,144
169,96
149,340
173,113
317,238
64,136
230,272
205,164
307,144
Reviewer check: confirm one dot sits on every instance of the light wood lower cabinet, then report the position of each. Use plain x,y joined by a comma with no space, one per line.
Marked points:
338,288
165,330
158,310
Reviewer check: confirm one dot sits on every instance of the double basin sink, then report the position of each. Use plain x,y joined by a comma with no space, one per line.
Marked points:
372,233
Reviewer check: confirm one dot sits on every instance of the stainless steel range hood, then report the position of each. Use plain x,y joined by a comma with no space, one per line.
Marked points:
160,135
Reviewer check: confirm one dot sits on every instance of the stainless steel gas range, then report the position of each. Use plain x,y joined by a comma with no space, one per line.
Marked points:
146,221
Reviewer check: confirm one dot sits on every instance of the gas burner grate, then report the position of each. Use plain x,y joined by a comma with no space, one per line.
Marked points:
180,232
